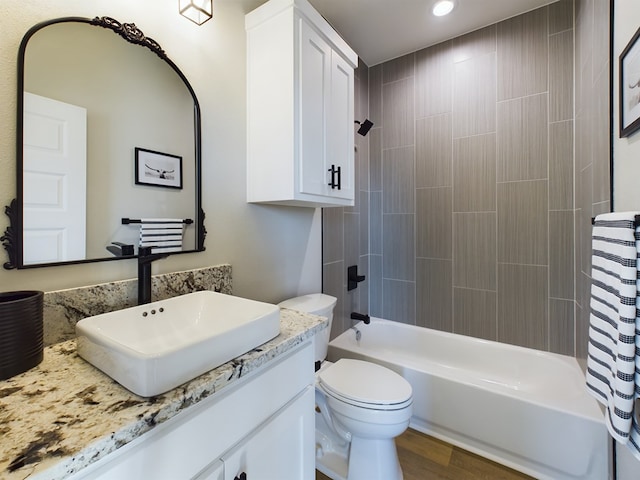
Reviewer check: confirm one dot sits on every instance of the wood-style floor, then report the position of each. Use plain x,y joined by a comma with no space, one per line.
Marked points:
426,458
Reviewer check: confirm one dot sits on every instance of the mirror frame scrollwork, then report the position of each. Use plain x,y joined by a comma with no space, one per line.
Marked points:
12,240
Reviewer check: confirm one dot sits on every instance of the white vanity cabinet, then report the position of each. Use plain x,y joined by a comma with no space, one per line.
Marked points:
275,450
300,108
261,427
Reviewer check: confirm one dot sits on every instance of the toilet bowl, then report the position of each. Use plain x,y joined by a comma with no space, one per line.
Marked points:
360,408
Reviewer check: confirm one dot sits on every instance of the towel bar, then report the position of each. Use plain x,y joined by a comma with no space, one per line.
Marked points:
127,221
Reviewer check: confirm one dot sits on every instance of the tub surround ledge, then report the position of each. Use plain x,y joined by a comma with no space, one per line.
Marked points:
64,414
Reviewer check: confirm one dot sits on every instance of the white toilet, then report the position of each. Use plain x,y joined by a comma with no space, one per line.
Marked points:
360,408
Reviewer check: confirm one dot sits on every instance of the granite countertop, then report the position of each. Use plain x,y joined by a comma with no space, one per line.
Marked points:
64,414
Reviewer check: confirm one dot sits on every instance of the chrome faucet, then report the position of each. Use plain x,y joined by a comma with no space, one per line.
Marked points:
145,258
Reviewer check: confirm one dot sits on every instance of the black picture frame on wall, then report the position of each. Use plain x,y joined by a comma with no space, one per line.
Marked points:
158,169
630,87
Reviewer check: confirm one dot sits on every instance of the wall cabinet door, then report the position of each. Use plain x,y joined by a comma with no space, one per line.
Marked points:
326,118
282,448
314,108
341,127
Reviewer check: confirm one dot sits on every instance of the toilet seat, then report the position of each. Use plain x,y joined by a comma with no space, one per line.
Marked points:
365,385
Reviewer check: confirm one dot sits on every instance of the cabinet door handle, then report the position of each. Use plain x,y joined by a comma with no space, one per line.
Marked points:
335,172
242,476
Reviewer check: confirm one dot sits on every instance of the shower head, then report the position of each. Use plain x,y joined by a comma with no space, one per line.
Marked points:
365,126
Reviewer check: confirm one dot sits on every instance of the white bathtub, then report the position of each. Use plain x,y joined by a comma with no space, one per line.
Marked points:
520,407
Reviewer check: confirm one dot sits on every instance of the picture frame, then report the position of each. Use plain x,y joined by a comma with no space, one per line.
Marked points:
158,169
629,91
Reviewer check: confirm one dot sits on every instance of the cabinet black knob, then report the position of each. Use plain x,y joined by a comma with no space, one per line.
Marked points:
242,476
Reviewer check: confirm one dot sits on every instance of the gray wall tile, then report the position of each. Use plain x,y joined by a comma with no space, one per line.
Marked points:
582,321
523,55
434,234
474,250
363,287
375,159
601,138
375,286
586,212
474,173
560,16
474,44
523,222
523,305
433,151
600,38
398,68
522,138
398,180
375,95
434,282
364,223
561,326
434,74
561,267
375,223
474,96
351,238
398,246
399,301
475,313
398,113
561,165
561,76
362,161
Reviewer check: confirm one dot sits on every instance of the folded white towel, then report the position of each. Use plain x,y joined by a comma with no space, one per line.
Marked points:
612,359
163,235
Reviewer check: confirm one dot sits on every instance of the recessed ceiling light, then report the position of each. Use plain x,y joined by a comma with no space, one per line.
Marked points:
443,7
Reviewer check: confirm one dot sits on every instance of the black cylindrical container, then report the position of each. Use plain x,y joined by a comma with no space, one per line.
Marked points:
21,331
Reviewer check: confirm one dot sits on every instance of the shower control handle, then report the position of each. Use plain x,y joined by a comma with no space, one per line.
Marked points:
335,172
242,476
353,278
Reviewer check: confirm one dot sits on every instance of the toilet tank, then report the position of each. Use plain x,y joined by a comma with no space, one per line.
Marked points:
316,304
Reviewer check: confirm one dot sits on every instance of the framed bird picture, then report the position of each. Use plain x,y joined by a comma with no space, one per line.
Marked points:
158,169
630,87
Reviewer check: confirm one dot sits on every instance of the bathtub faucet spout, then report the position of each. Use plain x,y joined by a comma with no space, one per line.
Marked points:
360,316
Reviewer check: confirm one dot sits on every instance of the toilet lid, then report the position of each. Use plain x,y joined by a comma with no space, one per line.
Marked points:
365,382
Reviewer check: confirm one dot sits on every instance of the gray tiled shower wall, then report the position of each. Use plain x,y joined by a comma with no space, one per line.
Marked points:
466,211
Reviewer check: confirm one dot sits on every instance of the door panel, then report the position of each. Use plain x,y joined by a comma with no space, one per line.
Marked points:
54,179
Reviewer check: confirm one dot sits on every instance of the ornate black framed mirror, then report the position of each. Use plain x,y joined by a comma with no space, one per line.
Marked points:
108,136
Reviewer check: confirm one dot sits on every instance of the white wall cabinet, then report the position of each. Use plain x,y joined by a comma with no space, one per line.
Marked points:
260,428
300,108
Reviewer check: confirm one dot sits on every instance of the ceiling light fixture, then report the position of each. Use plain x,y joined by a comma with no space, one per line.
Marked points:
443,7
198,11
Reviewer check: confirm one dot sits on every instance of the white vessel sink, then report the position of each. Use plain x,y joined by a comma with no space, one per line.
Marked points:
150,349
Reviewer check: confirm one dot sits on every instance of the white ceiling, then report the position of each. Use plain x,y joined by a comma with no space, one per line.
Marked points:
380,30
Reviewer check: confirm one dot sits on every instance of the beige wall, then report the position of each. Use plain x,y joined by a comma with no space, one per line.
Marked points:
626,151
274,251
